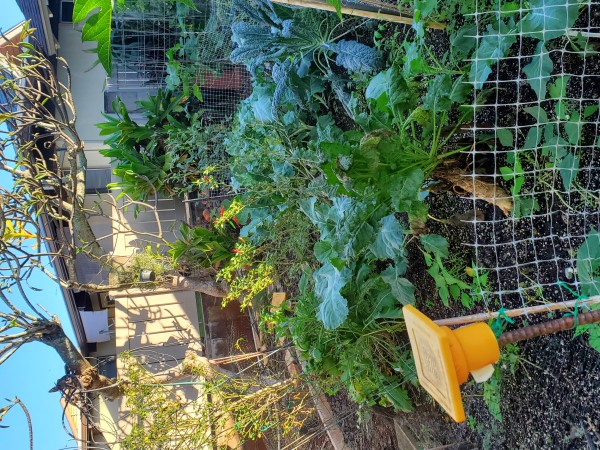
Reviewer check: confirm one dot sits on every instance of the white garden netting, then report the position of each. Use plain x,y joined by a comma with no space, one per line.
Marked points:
537,82
157,44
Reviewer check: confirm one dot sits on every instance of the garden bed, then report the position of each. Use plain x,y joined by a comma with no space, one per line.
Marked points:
546,395
378,165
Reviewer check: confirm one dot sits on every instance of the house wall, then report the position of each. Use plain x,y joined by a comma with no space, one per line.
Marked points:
145,228
88,81
158,328
87,86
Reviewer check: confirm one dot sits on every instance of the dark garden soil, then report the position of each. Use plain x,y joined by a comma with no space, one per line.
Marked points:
550,403
553,399
374,431
550,390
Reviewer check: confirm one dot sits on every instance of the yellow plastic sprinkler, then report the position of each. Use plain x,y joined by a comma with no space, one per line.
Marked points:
444,358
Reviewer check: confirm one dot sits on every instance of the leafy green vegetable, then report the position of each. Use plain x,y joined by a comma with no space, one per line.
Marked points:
404,190
443,92
359,354
329,281
493,46
388,92
549,19
538,71
356,57
389,241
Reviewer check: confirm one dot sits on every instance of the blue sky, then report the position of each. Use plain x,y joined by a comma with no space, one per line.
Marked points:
34,368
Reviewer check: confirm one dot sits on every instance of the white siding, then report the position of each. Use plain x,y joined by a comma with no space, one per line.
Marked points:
87,87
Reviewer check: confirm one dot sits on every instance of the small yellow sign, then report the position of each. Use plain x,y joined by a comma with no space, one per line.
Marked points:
444,357
435,365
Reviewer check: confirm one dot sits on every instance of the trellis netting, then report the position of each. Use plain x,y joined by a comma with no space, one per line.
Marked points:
159,44
169,44
536,76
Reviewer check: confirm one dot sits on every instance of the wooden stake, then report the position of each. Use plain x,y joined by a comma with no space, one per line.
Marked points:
357,12
483,317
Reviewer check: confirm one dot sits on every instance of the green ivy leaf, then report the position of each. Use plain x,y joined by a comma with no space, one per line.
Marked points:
97,15
329,281
436,244
538,71
389,241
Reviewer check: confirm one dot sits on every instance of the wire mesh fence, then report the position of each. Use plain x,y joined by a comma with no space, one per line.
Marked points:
536,103
169,44
536,74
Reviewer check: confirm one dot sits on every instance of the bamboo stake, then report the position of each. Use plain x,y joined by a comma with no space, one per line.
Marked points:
236,358
482,317
357,12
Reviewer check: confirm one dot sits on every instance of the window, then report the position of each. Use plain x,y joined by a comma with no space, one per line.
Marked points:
130,97
96,180
66,11
107,366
